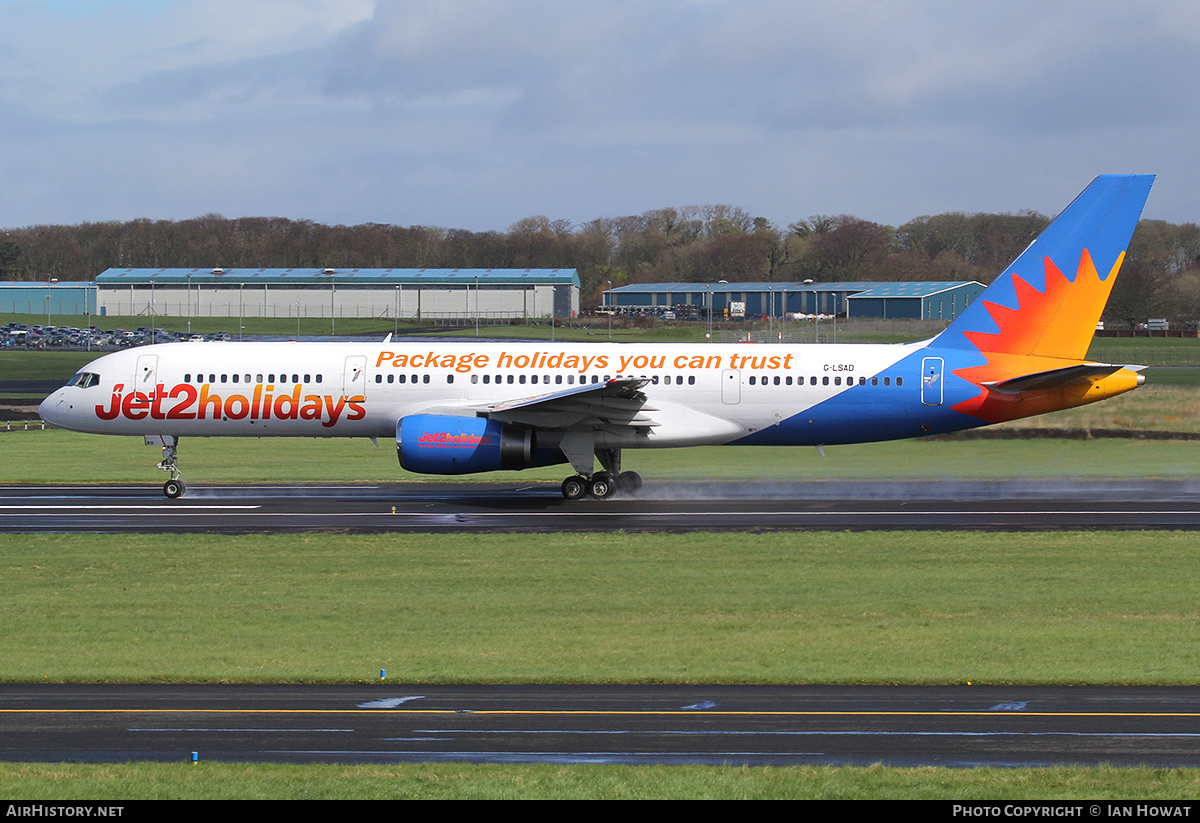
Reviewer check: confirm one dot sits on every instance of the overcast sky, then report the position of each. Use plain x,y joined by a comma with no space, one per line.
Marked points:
476,113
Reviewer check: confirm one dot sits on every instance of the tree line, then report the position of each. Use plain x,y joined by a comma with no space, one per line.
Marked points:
1161,277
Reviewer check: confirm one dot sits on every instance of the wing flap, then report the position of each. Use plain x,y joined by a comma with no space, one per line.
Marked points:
617,402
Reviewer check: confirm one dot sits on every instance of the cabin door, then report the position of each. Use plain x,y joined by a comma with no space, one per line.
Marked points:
931,381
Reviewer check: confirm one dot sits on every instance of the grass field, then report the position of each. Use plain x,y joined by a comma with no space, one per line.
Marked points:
457,782
57,456
904,607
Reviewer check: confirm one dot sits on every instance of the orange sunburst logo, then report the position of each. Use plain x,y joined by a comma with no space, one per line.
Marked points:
1046,328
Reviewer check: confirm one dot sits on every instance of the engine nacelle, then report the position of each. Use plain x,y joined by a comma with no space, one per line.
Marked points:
444,444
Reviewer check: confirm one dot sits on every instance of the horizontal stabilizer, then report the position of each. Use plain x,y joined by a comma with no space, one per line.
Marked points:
1080,375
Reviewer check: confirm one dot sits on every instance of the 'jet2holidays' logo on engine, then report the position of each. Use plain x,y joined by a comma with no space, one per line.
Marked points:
449,440
185,402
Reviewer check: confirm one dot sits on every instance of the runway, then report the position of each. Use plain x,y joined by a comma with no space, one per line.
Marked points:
956,726
679,507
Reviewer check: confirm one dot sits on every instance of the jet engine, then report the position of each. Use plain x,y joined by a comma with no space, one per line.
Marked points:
445,444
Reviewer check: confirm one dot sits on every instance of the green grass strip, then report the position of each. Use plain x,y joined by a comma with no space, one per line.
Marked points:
57,456
912,607
206,781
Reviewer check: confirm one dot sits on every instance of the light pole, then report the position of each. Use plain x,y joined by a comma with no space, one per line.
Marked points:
770,311
49,283
608,305
813,292
783,319
710,314
332,303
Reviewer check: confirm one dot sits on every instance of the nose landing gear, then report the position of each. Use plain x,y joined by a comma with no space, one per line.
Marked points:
174,487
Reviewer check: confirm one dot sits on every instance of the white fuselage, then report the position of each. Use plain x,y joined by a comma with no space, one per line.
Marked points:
696,393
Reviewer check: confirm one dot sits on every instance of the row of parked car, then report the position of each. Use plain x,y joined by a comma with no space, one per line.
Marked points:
20,336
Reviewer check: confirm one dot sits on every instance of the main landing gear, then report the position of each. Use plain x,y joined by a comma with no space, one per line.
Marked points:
174,487
602,484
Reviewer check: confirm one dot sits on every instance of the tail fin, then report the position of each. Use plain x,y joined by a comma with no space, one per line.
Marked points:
1048,301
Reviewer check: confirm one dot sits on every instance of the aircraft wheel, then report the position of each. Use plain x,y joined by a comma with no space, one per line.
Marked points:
574,487
174,488
603,485
629,482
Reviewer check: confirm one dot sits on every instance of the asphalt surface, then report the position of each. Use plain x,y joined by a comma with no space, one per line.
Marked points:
417,507
957,726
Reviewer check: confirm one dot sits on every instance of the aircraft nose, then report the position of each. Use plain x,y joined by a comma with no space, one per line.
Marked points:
50,408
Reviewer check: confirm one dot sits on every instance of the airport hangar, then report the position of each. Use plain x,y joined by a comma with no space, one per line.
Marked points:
928,300
418,294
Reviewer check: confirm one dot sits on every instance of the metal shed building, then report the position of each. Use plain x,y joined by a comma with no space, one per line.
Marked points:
33,297
422,294
925,300
932,300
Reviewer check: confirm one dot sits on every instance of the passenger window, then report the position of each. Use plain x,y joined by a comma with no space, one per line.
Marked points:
691,379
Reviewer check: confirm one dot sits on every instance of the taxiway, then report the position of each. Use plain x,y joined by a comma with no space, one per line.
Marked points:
741,725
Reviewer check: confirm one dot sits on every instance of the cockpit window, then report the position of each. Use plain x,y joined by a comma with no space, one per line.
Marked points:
84,380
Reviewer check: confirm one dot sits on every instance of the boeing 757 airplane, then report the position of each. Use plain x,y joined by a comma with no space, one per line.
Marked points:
457,408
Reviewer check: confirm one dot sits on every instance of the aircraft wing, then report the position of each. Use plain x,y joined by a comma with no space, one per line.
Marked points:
1080,375
618,403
